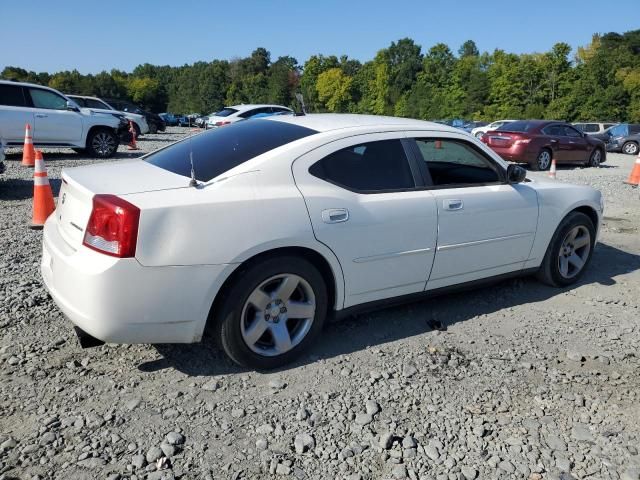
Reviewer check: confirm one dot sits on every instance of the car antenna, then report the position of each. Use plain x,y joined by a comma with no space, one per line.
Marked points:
193,182
300,99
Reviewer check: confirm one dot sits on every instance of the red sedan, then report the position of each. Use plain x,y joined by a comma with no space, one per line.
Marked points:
536,142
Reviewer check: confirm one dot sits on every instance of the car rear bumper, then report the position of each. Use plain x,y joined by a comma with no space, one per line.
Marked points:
120,301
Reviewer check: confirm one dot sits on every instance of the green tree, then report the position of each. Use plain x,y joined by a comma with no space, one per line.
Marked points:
334,89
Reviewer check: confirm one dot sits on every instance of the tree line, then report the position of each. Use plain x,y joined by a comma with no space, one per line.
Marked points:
601,81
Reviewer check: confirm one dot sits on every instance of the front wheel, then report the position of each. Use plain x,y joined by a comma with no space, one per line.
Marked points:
102,143
569,251
153,128
543,160
596,158
630,148
272,313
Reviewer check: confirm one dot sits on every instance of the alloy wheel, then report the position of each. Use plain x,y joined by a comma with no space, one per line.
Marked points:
630,148
595,158
278,314
574,251
103,144
544,160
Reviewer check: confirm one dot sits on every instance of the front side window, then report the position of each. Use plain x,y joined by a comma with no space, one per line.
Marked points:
47,99
12,96
368,167
621,130
571,132
456,163
91,103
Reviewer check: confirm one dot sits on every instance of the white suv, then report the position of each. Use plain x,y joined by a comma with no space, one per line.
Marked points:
56,120
242,112
97,105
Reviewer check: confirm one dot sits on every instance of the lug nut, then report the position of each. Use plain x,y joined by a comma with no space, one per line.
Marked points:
283,310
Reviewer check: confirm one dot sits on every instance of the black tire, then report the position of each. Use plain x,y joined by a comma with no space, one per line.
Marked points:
153,128
630,148
137,130
229,319
595,159
102,143
549,271
543,160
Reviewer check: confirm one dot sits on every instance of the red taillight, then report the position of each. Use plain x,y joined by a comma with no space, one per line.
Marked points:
113,227
522,141
220,124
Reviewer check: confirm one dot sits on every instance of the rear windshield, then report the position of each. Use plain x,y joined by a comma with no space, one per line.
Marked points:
219,150
225,112
517,126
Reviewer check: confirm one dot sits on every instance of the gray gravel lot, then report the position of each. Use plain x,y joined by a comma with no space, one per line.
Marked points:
524,381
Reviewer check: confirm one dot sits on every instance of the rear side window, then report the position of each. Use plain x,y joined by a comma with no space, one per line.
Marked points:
225,112
80,101
367,168
456,163
219,150
555,130
46,99
633,129
12,95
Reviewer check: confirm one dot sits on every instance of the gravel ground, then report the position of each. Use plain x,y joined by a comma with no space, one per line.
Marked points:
517,380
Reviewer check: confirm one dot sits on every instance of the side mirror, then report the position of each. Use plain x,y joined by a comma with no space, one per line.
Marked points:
72,107
516,173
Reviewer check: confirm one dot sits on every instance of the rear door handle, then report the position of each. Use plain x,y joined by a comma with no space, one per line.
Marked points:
335,215
453,204
41,115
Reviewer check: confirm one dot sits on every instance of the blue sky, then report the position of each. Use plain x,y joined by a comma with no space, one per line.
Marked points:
92,36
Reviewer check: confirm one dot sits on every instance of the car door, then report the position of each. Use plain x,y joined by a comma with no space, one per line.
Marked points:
54,123
579,148
14,114
486,226
364,205
559,142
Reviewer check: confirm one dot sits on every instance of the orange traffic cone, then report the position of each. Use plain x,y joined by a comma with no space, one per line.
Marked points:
28,152
43,204
552,171
634,176
132,144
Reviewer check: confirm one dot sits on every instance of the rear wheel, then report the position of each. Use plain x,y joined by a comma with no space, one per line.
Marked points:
569,251
272,313
102,143
153,128
543,160
595,158
630,148
137,129
479,135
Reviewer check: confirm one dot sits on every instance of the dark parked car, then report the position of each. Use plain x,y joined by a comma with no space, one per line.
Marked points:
624,137
169,119
536,142
155,122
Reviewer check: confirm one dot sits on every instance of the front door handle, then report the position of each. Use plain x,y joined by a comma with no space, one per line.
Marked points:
335,215
41,115
453,204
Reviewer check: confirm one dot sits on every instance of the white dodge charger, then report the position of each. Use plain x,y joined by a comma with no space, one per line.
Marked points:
262,230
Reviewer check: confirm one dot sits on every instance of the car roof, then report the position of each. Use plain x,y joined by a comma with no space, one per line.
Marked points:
248,106
324,122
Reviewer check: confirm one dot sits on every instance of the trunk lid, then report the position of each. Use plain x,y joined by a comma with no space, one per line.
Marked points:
502,139
80,184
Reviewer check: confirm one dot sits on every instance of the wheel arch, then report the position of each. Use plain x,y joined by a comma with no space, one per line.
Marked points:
95,128
589,212
329,269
